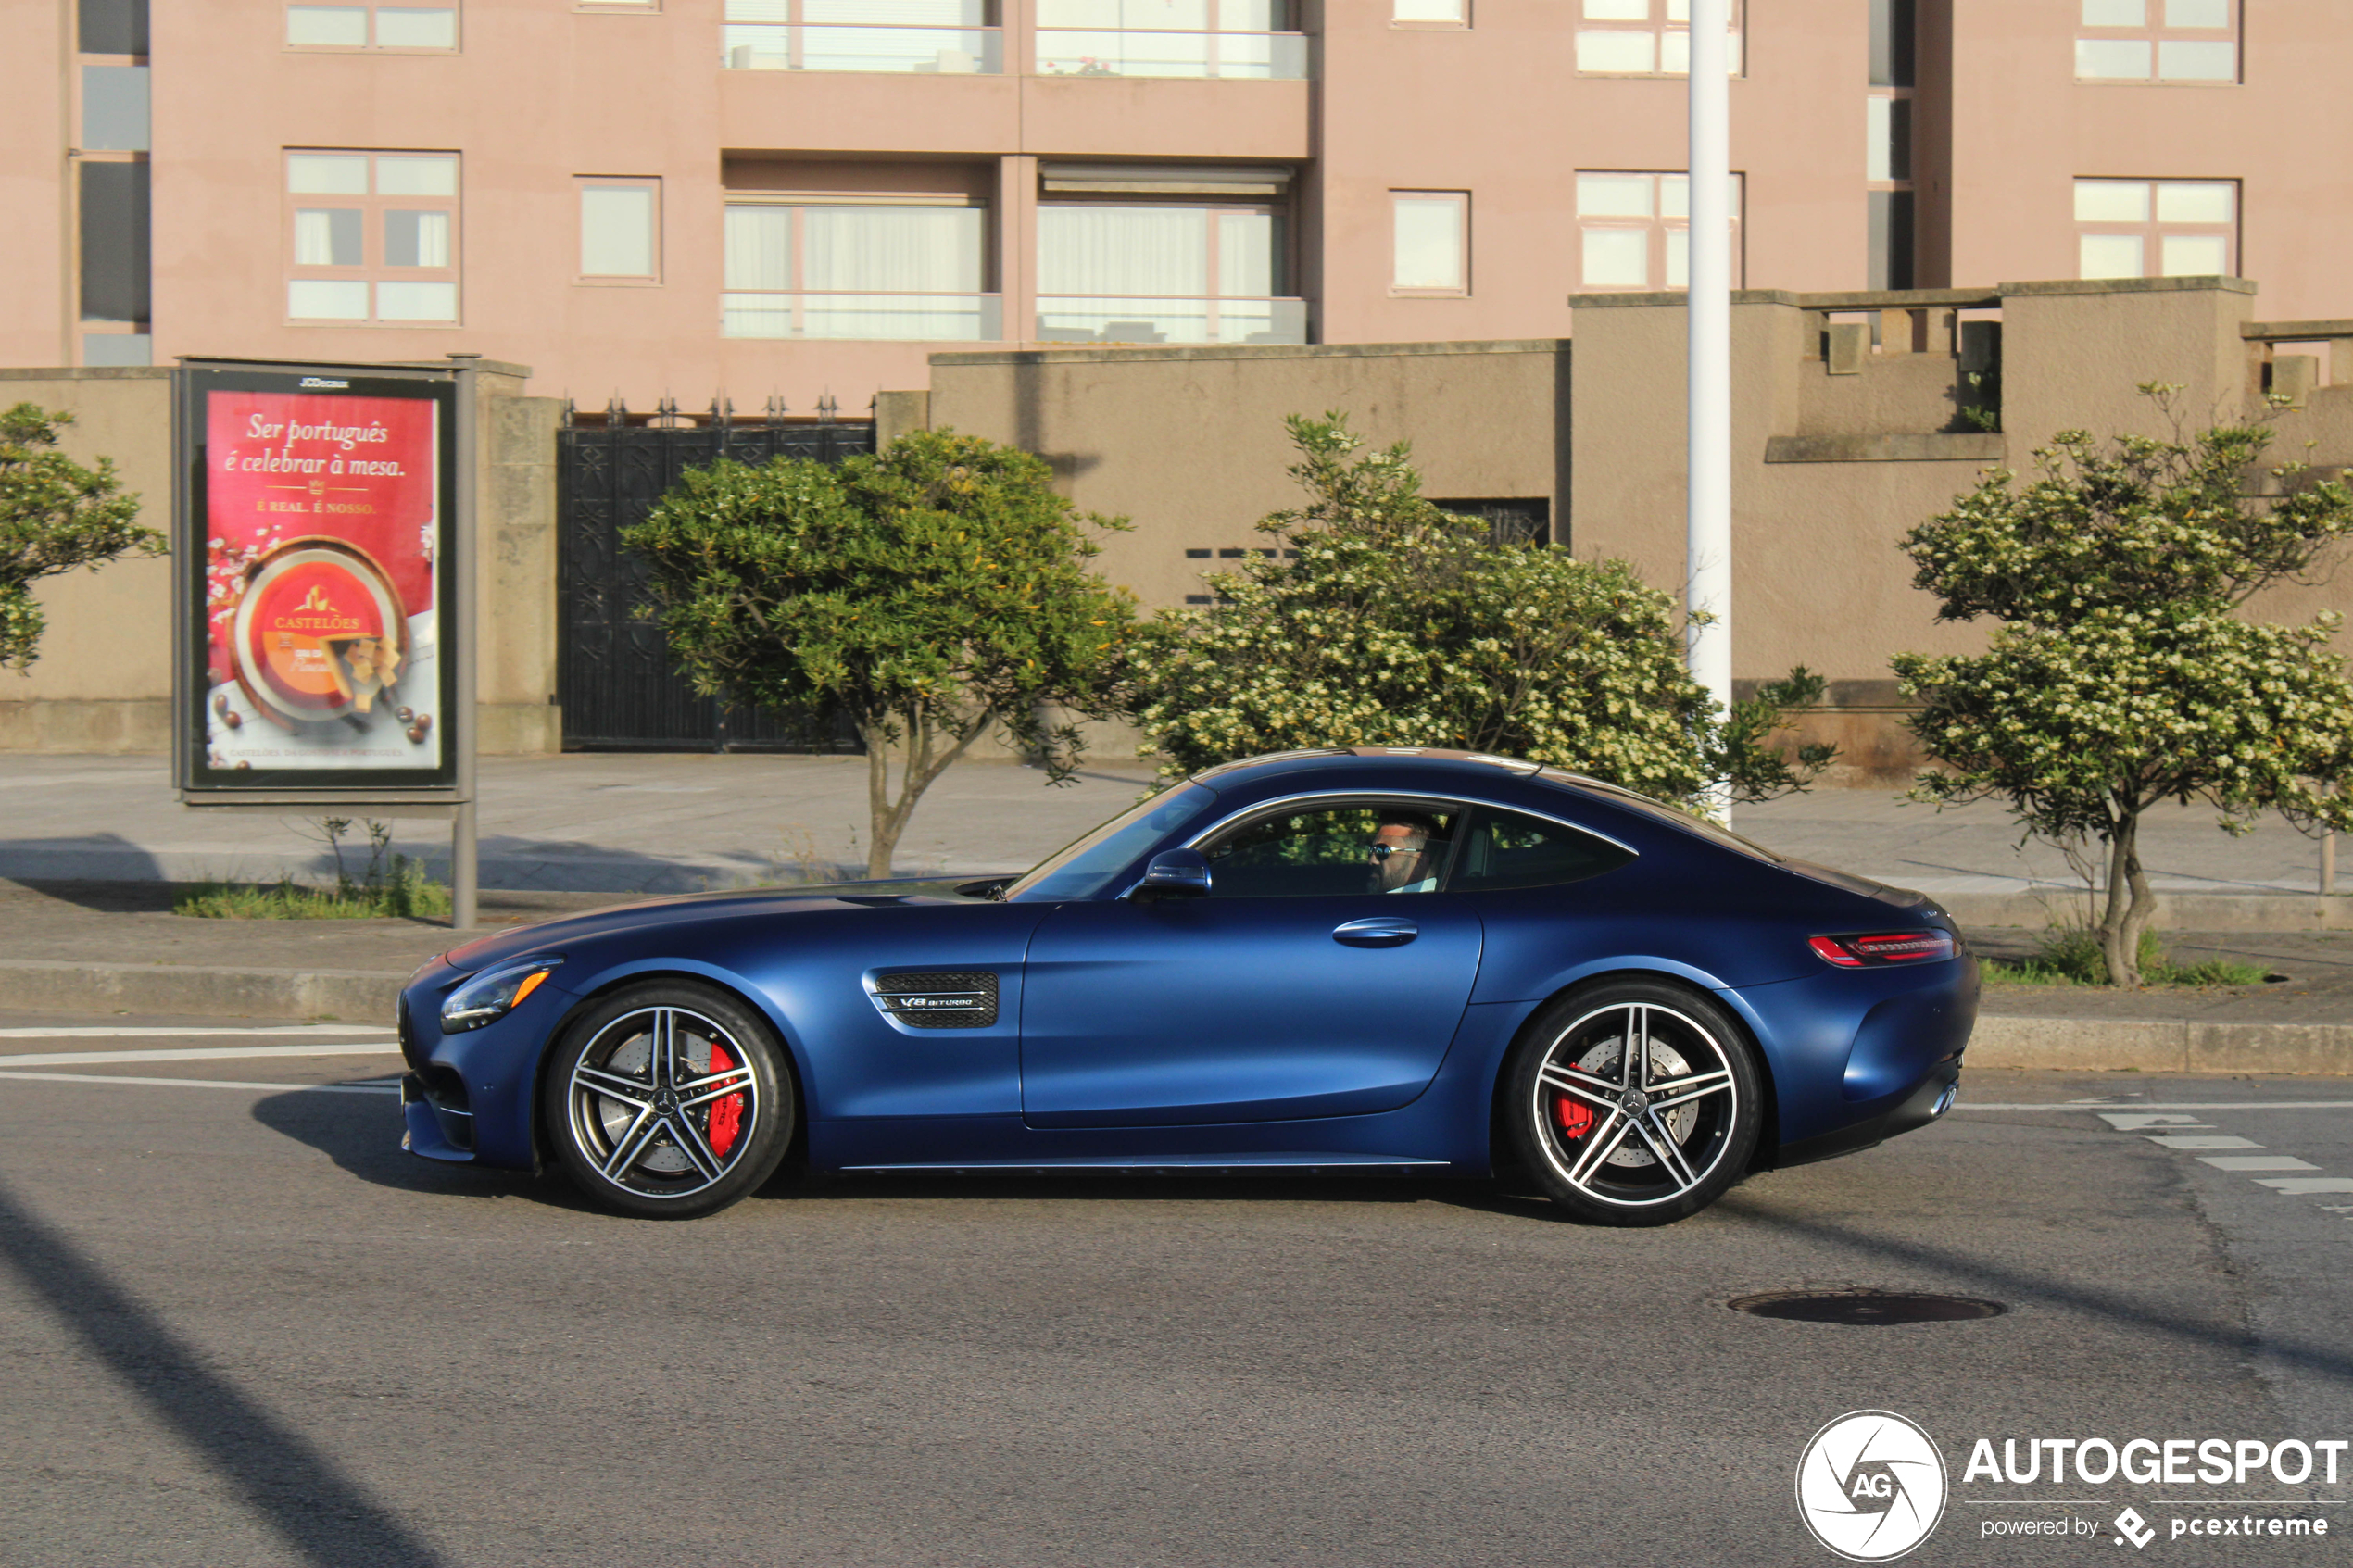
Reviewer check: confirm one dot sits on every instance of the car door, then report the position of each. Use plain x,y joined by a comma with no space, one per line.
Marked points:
1322,976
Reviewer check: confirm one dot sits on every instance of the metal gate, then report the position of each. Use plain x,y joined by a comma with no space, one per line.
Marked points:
618,688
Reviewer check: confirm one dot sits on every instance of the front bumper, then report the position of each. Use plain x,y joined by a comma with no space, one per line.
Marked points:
467,1098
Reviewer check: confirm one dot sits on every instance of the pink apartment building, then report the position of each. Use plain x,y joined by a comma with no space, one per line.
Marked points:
797,199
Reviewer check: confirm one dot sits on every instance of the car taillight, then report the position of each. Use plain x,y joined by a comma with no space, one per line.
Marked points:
1884,948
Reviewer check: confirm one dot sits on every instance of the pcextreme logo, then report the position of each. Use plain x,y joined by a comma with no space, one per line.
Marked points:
1870,1485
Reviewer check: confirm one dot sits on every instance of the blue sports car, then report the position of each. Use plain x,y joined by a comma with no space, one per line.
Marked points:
1351,960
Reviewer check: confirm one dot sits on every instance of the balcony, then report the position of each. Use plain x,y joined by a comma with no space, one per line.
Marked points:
808,316
937,51
1139,319
1243,56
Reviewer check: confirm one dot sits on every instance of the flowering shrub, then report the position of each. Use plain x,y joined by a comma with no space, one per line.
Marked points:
1378,619
2121,676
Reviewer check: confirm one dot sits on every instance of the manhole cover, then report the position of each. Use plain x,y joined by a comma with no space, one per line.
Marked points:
1861,1307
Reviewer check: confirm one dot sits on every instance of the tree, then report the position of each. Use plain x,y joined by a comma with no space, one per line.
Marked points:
2120,676
932,593
1378,619
54,516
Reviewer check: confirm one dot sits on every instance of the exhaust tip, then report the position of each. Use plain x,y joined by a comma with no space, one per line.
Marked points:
1944,1101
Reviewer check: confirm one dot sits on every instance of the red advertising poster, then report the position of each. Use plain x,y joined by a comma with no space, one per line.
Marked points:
321,527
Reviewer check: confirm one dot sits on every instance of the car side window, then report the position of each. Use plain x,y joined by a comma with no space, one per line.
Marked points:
1329,850
1504,849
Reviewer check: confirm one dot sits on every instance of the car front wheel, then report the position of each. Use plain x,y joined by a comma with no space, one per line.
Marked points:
668,1102
1632,1103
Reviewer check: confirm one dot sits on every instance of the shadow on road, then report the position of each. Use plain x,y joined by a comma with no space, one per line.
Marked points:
361,1134
323,1514
2014,1285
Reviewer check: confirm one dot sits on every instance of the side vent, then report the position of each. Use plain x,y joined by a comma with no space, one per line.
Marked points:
934,999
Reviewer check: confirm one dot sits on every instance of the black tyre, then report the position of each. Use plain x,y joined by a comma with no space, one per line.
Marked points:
668,1100
1633,1102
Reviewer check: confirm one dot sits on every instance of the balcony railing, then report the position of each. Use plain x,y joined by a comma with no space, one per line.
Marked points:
895,318
943,51
1252,56
1098,318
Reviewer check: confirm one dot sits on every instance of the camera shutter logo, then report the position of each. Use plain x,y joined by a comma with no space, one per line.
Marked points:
1871,1485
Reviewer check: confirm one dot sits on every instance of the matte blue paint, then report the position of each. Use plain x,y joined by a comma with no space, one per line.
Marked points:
1194,1031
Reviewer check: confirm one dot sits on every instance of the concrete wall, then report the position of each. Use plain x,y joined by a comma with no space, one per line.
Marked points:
103,682
1840,446
1189,442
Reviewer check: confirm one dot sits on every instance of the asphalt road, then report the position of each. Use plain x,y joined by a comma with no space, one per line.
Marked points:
237,1326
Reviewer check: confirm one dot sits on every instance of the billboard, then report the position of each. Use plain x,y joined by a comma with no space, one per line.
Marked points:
318,565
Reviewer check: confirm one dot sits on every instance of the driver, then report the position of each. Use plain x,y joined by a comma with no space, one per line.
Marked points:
1406,853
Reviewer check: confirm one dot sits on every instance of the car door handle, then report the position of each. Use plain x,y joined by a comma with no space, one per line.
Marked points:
1376,931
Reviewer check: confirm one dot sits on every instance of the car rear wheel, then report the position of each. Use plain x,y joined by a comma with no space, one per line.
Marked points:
1633,1102
668,1102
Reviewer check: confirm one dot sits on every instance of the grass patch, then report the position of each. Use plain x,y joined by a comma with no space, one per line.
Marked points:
393,887
2071,956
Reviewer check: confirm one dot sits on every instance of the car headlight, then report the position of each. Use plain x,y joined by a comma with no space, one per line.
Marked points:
493,994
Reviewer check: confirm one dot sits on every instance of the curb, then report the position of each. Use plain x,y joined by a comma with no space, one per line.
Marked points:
2160,1046
2175,911
356,994
2068,1044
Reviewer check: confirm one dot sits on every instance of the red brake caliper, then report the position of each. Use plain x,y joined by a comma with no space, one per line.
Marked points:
1576,1116
727,1114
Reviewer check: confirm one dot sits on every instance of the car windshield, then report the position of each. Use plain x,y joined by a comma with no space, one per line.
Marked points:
1618,795
1082,869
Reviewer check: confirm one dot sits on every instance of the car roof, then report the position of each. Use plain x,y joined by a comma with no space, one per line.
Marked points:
1319,759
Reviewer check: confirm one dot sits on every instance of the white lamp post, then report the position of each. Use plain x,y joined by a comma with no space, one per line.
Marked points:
1709,530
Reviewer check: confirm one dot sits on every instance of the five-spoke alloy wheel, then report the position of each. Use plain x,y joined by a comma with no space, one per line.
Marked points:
1633,1102
669,1100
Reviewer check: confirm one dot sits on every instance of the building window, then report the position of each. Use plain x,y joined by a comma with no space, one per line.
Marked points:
2157,227
1432,13
1245,39
908,271
2196,41
1432,230
374,237
401,28
1636,229
1164,273
927,37
111,188
1887,145
1644,38
620,230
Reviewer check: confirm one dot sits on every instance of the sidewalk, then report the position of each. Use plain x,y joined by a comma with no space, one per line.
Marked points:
102,838
681,822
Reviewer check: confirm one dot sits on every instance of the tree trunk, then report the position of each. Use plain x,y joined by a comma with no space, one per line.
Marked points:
889,817
2130,904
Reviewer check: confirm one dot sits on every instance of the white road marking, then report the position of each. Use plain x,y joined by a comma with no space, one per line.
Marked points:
207,1053
2202,1141
2132,1121
205,1084
2171,1105
112,1031
2255,1162
2296,1184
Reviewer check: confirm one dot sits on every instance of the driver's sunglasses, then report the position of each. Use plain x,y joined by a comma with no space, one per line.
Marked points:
1383,851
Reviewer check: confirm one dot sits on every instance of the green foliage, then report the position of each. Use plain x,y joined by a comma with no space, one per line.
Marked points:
1381,621
54,516
932,592
2073,956
2120,676
392,886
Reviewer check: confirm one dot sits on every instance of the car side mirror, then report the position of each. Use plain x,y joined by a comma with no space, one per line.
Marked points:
1175,873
